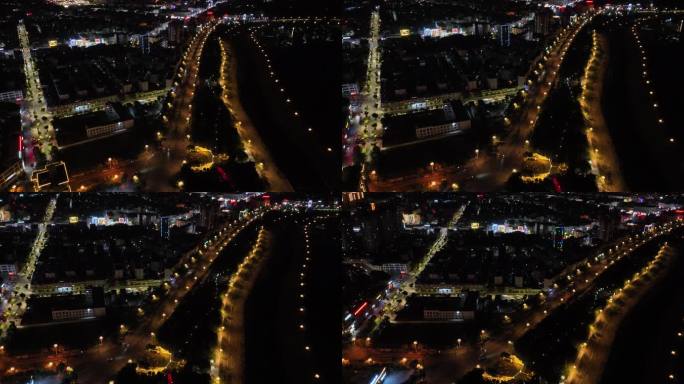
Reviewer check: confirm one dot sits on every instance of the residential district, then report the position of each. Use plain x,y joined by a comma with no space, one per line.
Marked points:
170,287
170,95
514,287
547,96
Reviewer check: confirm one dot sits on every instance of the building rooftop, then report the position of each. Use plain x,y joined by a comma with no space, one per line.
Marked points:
40,308
402,128
70,130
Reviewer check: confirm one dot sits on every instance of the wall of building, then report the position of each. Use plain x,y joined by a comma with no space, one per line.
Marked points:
77,314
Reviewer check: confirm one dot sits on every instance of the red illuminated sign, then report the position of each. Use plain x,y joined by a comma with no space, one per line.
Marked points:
364,305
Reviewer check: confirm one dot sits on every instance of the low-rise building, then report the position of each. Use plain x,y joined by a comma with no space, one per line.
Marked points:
80,129
88,305
452,118
458,308
14,96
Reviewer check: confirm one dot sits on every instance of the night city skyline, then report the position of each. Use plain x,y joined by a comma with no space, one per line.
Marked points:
353,191
172,287
555,96
518,288
164,96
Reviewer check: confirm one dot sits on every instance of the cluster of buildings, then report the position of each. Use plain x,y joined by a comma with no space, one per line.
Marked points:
372,236
504,247
101,246
485,48
88,59
511,265
73,74
128,256
437,57
51,26
89,91
298,34
414,67
501,20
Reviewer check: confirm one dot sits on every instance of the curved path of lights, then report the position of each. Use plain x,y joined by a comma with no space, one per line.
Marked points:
189,270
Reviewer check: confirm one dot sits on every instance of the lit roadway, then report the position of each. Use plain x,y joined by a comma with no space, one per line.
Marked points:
103,361
485,172
177,118
495,171
113,171
22,285
370,96
227,365
398,299
160,166
446,365
603,159
36,118
254,145
195,12
593,354
580,282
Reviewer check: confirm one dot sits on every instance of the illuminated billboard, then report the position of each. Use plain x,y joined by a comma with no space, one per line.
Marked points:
411,218
100,220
